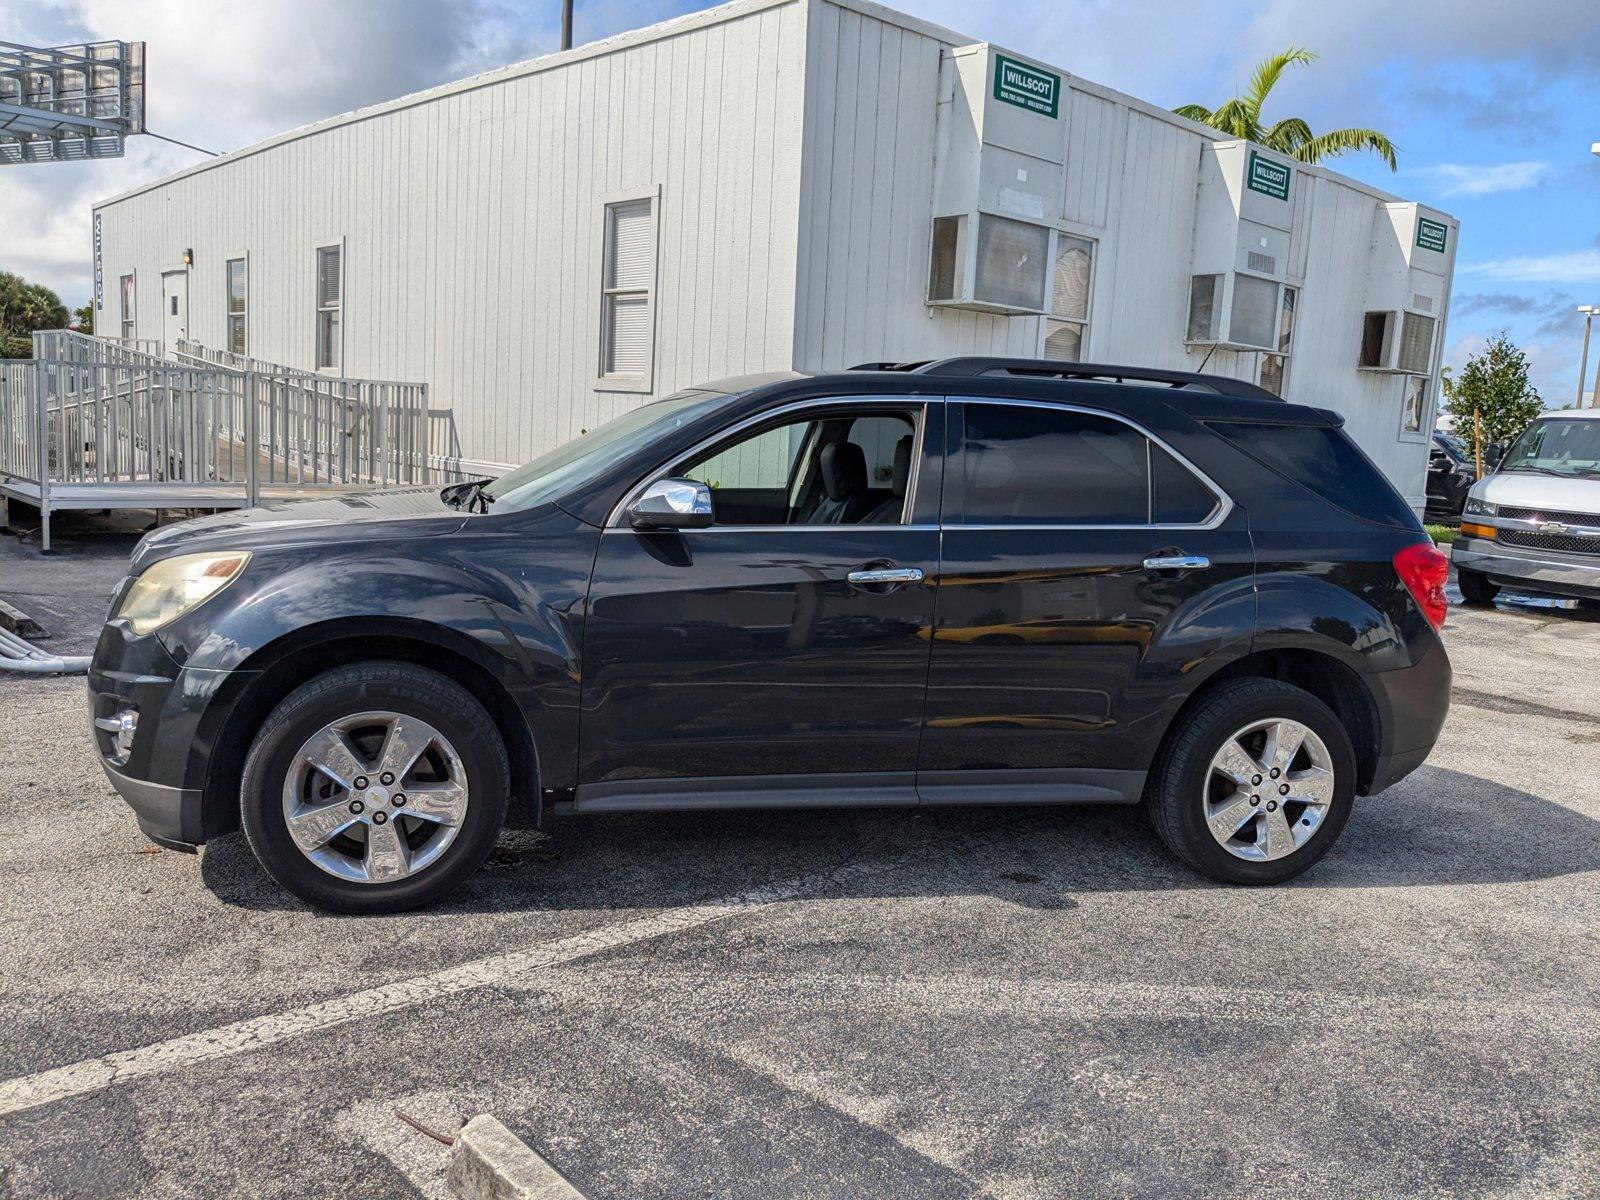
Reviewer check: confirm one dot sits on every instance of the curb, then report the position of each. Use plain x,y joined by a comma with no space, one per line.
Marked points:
20,623
489,1162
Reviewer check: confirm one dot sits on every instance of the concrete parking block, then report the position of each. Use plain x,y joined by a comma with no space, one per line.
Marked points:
489,1162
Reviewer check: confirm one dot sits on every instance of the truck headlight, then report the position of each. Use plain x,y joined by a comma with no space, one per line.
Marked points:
171,588
1478,508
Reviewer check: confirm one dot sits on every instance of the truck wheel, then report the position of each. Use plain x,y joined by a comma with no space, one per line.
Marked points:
1254,783
1476,589
375,788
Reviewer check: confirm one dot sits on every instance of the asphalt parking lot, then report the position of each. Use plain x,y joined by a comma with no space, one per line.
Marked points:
1003,1002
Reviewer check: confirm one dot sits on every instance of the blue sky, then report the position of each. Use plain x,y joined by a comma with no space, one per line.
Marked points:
1493,105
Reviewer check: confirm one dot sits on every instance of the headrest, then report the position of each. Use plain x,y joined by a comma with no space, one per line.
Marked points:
902,465
844,470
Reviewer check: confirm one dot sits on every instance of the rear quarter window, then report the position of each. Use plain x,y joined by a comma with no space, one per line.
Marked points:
1323,460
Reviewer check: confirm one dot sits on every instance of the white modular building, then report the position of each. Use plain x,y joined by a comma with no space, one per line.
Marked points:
777,184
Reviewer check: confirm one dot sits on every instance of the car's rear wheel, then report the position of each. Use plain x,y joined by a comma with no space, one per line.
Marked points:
374,788
1254,783
1476,588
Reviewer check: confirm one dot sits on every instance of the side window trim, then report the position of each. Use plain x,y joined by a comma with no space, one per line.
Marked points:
920,406
952,515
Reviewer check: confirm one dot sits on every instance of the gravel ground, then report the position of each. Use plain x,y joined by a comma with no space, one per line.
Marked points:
1002,1002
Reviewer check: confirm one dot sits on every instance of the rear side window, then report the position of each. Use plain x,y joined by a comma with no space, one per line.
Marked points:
1325,461
1025,465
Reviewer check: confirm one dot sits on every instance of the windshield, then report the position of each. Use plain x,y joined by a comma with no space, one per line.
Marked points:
570,466
1557,446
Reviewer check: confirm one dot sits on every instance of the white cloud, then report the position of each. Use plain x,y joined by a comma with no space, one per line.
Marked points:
1462,179
1577,266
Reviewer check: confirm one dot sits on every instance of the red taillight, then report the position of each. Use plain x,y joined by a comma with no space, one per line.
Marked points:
1424,571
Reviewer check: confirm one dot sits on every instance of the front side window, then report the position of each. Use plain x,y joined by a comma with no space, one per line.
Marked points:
330,307
1067,327
1026,465
127,306
238,279
627,330
836,469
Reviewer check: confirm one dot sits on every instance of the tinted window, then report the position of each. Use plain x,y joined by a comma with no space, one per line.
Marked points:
1325,461
1042,466
1177,497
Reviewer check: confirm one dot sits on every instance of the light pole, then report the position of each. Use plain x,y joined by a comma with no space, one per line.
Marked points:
1589,311
566,24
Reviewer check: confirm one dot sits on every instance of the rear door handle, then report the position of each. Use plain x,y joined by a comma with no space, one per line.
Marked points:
887,575
1178,562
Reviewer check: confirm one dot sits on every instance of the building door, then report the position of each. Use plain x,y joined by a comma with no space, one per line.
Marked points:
174,308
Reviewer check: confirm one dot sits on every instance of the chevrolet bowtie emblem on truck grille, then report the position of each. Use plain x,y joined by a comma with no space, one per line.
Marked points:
1552,527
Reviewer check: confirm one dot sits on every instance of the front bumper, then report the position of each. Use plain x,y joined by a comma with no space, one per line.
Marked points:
162,777
1548,571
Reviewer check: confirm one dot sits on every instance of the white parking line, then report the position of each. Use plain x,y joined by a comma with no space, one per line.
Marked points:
242,1037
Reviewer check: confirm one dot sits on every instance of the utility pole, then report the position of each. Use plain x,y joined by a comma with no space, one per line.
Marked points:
1588,311
566,24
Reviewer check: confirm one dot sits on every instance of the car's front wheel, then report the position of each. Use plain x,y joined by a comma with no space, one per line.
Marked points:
377,787
1254,782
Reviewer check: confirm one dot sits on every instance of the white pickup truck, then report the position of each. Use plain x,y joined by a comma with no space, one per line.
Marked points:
1534,524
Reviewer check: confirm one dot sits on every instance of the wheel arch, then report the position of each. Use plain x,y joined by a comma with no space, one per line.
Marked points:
274,670
1323,673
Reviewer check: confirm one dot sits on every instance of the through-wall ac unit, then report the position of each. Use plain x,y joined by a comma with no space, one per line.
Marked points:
1397,341
1412,249
999,148
1240,264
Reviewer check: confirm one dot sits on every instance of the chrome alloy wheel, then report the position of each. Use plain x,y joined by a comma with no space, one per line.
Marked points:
1268,790
375,797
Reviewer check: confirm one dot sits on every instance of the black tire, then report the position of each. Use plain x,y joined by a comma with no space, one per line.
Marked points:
1476,589
1175,792
399,688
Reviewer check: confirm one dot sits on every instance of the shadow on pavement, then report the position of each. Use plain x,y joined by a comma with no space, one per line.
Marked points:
1437,827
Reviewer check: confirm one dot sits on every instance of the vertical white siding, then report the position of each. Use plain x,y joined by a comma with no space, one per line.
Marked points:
472,223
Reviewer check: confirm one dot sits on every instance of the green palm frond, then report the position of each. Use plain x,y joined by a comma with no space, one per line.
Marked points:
1267,73
1241,118
1344,141
1287,135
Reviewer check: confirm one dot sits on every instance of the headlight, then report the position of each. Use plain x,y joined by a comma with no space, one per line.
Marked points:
171,588
1478,508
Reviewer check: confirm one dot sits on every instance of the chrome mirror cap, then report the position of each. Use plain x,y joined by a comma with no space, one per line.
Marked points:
672,504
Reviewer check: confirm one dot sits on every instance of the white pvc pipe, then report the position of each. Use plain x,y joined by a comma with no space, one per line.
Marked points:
20,655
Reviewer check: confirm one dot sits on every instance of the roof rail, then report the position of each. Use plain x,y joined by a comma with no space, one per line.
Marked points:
1039,368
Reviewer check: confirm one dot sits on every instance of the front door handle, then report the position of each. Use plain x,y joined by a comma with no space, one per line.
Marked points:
1178,562
886,575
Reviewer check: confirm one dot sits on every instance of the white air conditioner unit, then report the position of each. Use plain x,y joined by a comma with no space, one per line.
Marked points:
1237,311
998,176
1397,342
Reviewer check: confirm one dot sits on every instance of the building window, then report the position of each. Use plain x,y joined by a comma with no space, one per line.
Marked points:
127,306
238,286
1416,409
1275,367
1067,327
627,322
330,307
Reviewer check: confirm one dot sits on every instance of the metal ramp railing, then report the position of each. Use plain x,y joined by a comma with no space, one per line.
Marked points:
95,423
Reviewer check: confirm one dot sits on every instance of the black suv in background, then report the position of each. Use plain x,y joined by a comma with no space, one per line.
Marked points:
971,581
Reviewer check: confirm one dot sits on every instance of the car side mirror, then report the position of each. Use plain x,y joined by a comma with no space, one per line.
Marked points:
1493,453
672,504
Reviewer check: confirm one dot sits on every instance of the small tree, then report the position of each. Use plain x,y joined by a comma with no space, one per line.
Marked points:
1495,386
83,319
25,307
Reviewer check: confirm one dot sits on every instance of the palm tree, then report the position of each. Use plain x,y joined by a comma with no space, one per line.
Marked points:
1241,118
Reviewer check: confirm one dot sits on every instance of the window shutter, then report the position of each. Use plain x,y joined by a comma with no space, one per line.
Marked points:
630,245
629,343
328,276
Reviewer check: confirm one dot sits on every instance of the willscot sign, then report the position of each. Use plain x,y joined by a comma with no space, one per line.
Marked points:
1026,87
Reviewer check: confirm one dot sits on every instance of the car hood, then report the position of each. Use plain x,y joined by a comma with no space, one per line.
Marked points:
1528,490
402,512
